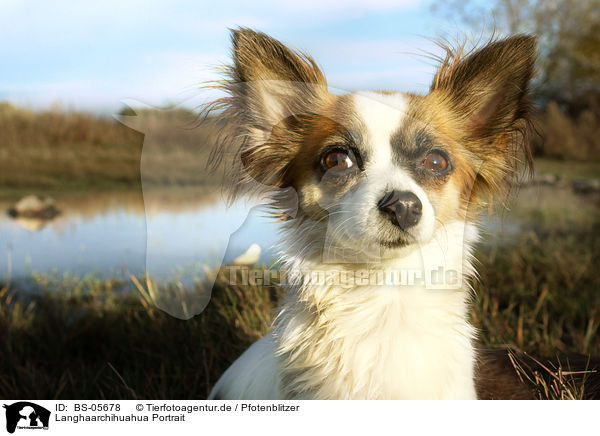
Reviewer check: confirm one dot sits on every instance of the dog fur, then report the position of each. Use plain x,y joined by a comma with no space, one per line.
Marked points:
375,338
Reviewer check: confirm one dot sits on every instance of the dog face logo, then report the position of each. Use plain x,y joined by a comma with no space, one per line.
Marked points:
26,415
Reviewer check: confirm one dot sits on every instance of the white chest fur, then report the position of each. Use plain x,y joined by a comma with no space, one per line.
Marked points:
379,341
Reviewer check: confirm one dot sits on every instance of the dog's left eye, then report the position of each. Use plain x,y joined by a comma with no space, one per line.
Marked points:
337,160
436,161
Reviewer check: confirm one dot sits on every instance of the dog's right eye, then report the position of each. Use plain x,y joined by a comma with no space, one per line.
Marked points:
337,160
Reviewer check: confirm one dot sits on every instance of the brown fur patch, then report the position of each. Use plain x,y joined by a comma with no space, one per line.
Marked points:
430,115
272,91
485,94
330,126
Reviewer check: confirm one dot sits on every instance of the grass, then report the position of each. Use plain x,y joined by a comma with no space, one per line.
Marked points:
554,380
95,339
539,292
569,170
91,338
57,150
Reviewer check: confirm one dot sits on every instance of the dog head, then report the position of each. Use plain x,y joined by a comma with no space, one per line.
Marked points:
376,169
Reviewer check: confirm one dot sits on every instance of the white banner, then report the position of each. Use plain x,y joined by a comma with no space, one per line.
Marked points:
285,418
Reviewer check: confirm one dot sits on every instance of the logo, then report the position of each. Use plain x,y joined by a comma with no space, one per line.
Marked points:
26,415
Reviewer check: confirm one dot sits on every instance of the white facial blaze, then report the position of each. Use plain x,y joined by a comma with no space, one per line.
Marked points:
381,116
358,219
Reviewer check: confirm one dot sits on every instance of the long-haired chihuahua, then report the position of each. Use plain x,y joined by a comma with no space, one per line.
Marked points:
378,193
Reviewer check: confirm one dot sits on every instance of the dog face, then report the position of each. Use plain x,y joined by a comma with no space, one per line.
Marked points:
379,171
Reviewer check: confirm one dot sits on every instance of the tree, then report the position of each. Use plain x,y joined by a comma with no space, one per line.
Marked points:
568,36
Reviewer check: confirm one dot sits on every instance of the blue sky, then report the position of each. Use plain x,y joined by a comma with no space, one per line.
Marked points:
96,55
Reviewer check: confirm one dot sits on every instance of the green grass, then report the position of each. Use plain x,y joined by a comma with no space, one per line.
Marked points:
569,170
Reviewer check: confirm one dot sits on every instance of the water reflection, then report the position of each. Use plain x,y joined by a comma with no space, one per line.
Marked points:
113,234
179,232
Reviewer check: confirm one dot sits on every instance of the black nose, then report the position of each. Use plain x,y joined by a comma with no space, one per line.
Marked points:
403,207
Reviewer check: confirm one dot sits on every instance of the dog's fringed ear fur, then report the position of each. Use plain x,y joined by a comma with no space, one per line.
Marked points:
488,91
270,89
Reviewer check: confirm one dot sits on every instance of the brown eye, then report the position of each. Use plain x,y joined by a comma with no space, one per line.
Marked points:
435,161
337,161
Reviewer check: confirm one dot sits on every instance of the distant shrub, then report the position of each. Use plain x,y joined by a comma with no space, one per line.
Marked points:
58,148
567,137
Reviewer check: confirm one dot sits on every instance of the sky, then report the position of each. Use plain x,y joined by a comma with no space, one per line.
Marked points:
98,55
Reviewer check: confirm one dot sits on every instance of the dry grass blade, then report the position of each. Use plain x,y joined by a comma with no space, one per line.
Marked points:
147,293
133,394
551,380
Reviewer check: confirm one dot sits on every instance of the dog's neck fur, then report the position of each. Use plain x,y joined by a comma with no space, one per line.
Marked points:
379,340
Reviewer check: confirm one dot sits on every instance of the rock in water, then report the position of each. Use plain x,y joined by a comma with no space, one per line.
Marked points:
33,206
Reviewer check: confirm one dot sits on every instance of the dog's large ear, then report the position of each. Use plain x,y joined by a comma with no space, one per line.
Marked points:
271,88
488,92
274,81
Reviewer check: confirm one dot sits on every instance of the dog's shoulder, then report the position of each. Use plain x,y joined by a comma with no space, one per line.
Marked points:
255,375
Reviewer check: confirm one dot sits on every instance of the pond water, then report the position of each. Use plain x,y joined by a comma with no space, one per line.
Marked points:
120,235
166,235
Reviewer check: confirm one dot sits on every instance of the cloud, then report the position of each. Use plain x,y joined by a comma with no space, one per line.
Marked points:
153,78
160,76
95,54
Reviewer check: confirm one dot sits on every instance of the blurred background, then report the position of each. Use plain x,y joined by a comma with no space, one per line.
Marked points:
112,231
